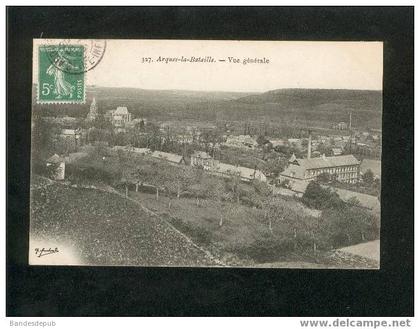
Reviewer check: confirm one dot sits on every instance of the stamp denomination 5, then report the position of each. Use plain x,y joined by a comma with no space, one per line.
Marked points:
61,74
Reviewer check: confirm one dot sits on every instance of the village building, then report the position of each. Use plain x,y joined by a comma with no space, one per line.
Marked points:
136,150
337,151
202,159
64,121
69,139
138,122
57,166
316,154
345,168
119,118
246,174
141,150
170,157
205,161
278,142
241,141
340,126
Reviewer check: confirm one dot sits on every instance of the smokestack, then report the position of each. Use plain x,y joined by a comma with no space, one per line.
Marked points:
309,145
350,122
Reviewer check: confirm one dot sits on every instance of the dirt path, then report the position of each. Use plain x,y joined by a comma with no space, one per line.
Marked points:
150,212
369,250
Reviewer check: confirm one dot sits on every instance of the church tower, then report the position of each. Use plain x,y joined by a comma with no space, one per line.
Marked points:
93,112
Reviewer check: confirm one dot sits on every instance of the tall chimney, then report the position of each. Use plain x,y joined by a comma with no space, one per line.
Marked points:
350,122
309,144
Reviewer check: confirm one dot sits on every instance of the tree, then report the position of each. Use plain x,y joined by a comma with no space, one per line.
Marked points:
183,178
140,125
270,211
273,167
350,225
51,170
211,139
285,183
320,197
44,136
154,138
368,177
101,123
324,149
126,171
323,178
177,181
262,140
233,184
198,190
216,191
143,174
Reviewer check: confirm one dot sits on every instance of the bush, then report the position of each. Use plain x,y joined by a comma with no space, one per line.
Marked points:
323,178
321,198
87,174
350,225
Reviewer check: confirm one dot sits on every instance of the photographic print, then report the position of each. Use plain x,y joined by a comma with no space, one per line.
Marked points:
205,153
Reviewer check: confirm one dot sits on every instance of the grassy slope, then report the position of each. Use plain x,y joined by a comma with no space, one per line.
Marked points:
105,230
236,242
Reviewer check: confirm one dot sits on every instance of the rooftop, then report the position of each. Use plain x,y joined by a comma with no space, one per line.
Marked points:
69,131
167,156
201,154
244,172
121,110
298,167
327,162
55,159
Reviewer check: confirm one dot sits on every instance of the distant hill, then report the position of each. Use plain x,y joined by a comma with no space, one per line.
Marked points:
150,95
157,104
369,100
320,107
312,107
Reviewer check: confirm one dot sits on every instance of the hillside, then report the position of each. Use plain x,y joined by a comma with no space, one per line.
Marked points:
366,100
318,107
153,104
102,228
306,107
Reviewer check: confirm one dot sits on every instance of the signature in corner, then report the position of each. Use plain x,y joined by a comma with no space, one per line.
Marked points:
45,251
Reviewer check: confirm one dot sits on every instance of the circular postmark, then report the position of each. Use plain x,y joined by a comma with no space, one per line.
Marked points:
75,56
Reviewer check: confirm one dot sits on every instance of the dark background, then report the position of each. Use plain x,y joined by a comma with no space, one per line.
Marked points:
88,291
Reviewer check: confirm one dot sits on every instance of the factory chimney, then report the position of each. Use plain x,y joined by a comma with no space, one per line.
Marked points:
350,122
309,144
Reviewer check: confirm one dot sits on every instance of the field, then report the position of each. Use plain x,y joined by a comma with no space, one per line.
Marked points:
245,238
105,229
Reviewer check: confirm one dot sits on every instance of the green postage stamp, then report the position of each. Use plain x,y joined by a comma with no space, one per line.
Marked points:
61,74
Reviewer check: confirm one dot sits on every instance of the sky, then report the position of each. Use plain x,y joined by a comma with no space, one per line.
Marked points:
292,64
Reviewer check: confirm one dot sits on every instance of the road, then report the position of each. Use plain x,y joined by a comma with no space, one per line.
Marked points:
370,250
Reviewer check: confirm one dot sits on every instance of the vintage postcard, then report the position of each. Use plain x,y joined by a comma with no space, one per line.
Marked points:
196,153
